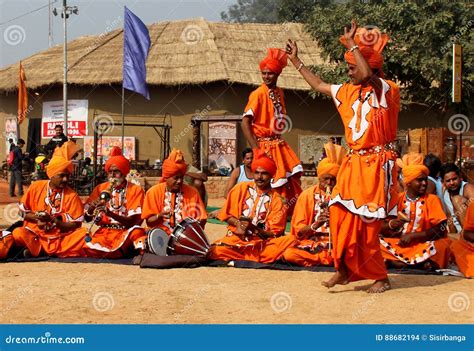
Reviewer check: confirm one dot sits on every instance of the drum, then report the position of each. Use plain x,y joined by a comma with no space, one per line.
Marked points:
157,240
188,238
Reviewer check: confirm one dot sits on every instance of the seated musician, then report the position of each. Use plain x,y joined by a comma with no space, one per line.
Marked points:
169,202
456,195
256,217
417,237
51,212
116,207
463,249
310,221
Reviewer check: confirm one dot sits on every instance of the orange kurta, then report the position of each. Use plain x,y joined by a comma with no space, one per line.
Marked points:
366,184
314,251
64,203
187,203
112,240
269,122
267,209
423,214
463,250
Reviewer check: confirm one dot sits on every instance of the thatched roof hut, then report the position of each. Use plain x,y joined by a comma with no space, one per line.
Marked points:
182,52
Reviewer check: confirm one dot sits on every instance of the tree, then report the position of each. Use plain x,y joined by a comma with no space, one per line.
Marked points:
252,11
269,11
419,55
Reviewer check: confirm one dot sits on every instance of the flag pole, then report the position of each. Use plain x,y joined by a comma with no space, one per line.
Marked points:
123,119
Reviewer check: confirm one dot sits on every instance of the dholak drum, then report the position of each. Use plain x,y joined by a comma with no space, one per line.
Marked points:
188,238
157,241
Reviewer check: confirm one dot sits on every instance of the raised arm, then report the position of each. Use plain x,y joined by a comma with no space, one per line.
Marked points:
362,65
312,79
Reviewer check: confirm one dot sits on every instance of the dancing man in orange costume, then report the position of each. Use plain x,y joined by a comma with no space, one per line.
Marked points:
365,192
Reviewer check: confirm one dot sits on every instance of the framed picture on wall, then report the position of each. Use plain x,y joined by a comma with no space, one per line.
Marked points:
311,146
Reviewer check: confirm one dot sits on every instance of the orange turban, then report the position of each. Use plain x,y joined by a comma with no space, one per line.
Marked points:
275,61
67,150
332,163
373,58
174,165
58,164
412,167
260,159
371,43
118,160
327,167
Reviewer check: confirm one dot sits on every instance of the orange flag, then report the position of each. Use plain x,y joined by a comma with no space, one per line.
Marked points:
22,96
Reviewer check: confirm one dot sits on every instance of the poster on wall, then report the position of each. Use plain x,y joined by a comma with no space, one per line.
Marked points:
222,145
11,132
104,145
53,114
311,146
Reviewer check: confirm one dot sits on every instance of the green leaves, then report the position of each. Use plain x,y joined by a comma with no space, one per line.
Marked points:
419,54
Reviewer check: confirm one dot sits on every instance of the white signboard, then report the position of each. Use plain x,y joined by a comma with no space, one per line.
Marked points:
10,132
53,115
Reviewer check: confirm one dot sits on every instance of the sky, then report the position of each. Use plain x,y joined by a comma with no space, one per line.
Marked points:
29,34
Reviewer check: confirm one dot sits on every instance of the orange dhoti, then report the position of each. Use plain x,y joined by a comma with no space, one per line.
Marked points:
114,243
356,244
52,243
463,253
264,251
436,251
308,253
6,242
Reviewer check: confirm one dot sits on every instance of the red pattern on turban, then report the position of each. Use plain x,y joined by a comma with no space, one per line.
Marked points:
174,165
275,61
371,43
260,159
118,160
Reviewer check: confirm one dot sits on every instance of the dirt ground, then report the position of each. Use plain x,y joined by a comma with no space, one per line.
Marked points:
47,292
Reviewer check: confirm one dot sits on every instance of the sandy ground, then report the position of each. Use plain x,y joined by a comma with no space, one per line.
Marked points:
46,292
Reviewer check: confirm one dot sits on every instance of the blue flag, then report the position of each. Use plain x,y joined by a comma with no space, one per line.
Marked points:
136,43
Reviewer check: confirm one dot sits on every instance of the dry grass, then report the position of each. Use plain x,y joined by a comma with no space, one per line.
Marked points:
182,52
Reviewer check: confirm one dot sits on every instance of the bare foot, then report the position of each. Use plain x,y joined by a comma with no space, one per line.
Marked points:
379,286
340,277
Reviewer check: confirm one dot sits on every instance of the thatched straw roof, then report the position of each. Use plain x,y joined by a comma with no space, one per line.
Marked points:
182,52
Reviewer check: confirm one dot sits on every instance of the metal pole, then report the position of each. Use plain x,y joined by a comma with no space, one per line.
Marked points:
65,68
50,26
123,119
96,128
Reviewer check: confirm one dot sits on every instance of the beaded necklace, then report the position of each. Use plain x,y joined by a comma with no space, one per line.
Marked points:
366,97
122,192
54,199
